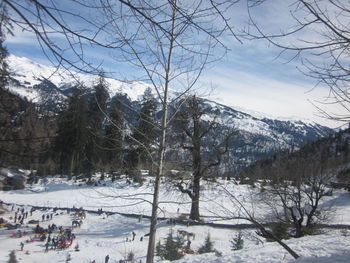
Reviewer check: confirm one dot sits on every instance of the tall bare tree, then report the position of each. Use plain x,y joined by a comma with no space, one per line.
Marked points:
200,137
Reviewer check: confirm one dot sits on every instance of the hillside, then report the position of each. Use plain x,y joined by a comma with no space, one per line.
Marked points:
259,137
328,156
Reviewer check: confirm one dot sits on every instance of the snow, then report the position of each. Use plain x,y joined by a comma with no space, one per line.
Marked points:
30,73
100,235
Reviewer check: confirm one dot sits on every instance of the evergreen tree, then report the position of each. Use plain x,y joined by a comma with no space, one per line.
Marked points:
159,249
4,73
115,129
144,133
72,133
5,115
98,103
171,249
237,241
96,114
5,28
207,247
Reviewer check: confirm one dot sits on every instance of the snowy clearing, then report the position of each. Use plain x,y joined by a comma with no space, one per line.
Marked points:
100,235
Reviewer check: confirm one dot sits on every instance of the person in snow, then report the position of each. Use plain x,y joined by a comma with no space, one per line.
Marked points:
21,245
188,244
133,235
107,259
47,246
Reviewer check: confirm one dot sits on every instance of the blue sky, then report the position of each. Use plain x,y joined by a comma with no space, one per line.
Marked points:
252,75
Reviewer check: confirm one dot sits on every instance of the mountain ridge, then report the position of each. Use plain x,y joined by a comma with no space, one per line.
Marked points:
260,137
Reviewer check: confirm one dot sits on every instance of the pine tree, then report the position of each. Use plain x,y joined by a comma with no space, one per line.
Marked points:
72,134
97,109
5,28
207,247
171,249
115,129
144,134
98,103
5,103
146,130
159,249
4,73
237,242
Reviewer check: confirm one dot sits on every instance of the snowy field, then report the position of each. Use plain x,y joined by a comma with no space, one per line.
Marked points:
102,235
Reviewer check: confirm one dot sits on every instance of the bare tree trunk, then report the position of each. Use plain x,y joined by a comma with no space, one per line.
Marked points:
287,248
154,217
71,167
153,225
194,215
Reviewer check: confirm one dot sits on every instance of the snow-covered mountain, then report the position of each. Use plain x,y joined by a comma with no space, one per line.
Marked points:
260,137
29,78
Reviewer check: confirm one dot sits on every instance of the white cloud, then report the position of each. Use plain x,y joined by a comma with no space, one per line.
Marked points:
263,94
21,37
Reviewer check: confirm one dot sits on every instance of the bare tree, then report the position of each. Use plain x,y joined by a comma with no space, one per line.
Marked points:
298,186
317,32
199,136
244,214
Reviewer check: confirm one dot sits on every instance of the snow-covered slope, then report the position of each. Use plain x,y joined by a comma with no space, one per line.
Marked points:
27,75
260,136
100,235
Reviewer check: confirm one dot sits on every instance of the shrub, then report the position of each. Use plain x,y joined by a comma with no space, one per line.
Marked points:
13,258
280,230
312,229
130,257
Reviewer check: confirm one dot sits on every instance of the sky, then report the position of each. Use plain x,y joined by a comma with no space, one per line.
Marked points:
253,75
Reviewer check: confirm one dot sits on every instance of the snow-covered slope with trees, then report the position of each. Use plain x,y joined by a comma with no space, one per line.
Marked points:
260,137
